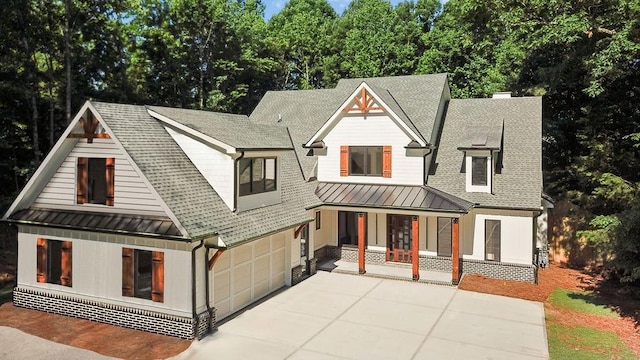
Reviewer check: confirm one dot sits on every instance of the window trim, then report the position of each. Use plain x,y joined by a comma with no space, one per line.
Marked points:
486,228
264,179
469,156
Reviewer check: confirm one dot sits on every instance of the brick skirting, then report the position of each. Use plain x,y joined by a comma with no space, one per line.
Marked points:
492,269
133,318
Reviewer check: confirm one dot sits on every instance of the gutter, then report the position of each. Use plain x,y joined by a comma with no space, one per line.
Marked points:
193,284
235,181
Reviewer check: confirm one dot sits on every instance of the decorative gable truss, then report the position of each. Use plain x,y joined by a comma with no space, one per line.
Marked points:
92,128
364,103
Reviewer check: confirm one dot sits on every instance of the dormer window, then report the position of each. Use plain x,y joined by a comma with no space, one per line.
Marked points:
479,169
257,175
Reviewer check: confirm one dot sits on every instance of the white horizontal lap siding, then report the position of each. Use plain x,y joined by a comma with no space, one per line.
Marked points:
374,130
516,235
247,273
131,192
216,167
97,272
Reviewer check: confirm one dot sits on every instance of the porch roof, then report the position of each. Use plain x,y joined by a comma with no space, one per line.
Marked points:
107,222
421,198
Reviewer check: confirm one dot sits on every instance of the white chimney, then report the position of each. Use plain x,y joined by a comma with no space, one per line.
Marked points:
502,95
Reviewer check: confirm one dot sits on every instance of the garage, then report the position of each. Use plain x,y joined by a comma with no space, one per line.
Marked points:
247,273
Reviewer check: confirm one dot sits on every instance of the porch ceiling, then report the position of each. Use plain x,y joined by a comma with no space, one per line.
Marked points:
422,198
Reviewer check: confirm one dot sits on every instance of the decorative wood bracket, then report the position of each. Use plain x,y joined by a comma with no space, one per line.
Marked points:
364,102
296,233
215,258
89,126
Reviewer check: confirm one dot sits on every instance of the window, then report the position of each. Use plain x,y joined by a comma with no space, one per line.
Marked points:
54,262
444,236
479,171
348,228
365,160
95,181
492,240
317,220
256,175
143,274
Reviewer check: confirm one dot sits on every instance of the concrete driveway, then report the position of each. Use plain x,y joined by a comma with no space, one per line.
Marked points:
337,316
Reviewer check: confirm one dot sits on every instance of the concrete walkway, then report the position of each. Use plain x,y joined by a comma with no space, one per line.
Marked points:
339,316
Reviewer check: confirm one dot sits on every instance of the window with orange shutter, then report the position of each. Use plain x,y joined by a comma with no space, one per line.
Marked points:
54,262
95,182
143,274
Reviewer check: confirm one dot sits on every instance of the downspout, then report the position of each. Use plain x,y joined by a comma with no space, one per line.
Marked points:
235,181
426,167
193,286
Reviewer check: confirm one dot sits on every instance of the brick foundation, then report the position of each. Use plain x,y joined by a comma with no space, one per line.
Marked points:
133,318
492,269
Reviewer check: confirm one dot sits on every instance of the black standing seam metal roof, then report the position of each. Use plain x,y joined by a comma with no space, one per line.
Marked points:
91,221
422,198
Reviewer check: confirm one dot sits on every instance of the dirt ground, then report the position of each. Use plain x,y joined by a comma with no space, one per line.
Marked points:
104,339
627,327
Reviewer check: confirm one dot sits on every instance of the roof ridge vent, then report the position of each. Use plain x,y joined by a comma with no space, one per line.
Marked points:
502,95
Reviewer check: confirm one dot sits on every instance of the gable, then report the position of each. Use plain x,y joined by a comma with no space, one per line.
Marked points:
365,102
54,184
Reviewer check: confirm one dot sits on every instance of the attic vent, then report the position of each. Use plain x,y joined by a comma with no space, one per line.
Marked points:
502,95
479,140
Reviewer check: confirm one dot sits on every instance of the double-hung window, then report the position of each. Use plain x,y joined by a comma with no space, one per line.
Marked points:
492,240
256,175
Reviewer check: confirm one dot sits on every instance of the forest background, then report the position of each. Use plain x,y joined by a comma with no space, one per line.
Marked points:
582,56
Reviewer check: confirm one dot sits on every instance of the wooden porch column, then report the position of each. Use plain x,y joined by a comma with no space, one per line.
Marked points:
415,244
455,251
361,243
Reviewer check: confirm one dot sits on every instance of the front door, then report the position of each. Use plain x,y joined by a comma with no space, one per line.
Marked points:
399,238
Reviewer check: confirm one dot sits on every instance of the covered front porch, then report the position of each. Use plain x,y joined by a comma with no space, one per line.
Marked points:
407,232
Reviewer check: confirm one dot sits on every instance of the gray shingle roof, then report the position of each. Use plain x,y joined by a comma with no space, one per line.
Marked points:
414,98
187,193
233,130
519,182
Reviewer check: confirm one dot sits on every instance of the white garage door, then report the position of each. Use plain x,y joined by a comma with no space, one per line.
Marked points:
244,274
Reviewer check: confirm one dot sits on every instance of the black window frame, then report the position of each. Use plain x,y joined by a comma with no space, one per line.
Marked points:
138,280
487,233
438,245
96,181
318,218
254,186
365,170
485,180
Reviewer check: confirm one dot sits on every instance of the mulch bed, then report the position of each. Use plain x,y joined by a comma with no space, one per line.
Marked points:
104,339
627,327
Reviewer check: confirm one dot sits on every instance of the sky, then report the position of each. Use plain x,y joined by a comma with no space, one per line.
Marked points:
274,6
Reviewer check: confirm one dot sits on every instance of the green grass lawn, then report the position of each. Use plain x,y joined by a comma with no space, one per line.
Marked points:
5,293
585,343
580,301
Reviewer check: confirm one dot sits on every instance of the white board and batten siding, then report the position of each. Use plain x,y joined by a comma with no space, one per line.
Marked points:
245,274
132,195
516,235
216,167
104,282
372,130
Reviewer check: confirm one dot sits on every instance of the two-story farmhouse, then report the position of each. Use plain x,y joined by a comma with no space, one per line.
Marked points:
168,220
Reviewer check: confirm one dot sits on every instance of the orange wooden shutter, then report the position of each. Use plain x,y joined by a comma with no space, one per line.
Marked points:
386,161
41,274
81,182
344,160
65,278
110,173
127,272
157,280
